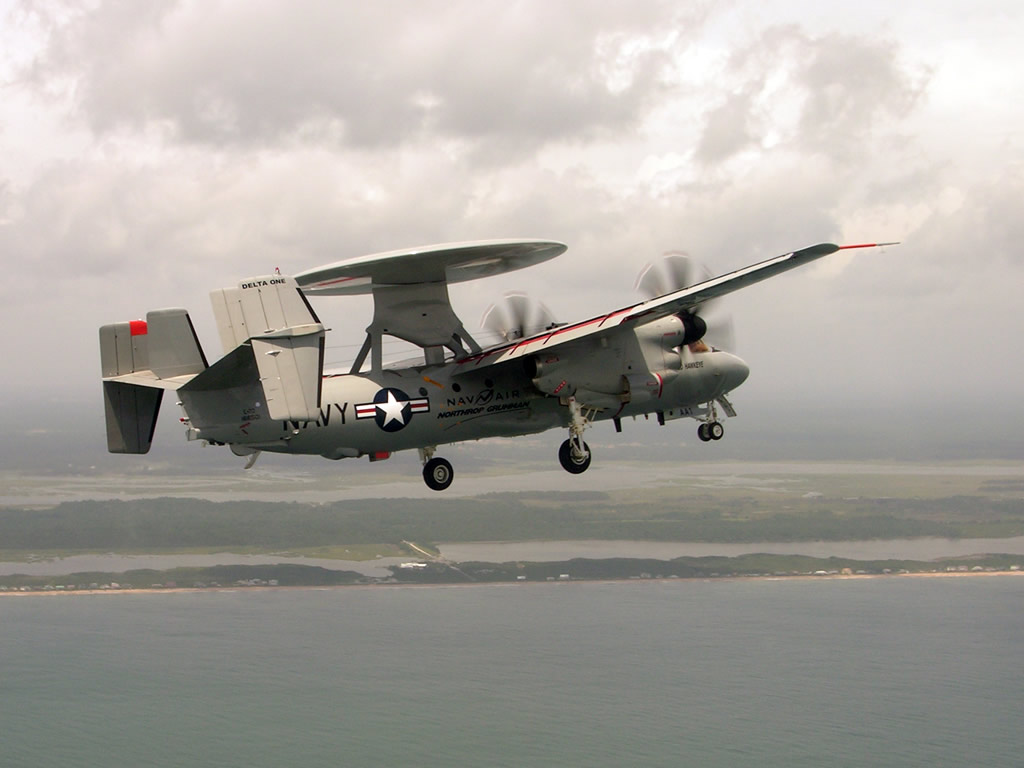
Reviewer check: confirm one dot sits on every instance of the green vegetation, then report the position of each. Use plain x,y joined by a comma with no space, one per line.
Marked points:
701,567
283,575
869,502
212,576
363,529
355,552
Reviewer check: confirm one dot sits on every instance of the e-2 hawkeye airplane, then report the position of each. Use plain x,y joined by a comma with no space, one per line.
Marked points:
270,392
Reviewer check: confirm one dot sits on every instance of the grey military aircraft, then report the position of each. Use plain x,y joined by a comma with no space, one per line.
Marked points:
270,391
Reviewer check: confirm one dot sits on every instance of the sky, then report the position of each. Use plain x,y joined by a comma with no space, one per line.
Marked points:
153,151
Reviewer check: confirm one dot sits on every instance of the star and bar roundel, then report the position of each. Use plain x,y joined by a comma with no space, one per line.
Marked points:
392,409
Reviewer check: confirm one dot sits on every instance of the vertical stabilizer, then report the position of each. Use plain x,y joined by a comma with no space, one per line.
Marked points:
139,359
287,341
130,409
131,412
174,348
163,346
124,348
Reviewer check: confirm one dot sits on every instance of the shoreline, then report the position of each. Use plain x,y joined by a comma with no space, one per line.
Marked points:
578,581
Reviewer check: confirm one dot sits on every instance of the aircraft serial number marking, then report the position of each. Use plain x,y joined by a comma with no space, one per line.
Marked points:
262,283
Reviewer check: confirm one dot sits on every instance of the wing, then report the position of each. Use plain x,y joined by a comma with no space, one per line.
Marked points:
657,308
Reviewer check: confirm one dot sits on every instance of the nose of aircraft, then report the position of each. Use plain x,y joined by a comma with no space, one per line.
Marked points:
734,371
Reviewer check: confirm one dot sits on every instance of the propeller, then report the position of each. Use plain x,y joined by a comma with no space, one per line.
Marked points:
677,270
517,316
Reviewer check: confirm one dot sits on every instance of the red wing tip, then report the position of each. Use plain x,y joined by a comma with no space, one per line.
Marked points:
866,245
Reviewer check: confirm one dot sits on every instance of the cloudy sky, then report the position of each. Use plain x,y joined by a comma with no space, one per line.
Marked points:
152,151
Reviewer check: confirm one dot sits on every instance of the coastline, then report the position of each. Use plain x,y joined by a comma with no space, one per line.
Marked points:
518,584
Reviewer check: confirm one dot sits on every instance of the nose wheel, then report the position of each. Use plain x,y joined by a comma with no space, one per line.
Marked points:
710,430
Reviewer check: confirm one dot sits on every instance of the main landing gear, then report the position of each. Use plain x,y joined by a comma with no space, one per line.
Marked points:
572,458
574,454
437,472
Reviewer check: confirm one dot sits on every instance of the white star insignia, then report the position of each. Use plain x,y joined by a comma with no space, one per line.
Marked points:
392,410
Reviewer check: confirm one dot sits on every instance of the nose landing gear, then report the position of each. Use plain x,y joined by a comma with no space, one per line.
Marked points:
710,430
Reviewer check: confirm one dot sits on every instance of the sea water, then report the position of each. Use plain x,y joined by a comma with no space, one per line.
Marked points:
899,671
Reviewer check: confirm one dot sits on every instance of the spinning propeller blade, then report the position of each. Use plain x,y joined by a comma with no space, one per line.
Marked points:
678,270
516,316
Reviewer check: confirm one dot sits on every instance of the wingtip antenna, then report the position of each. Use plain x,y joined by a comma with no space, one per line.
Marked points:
867,245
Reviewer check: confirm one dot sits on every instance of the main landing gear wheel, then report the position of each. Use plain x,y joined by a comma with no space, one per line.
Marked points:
710,431
572,463
437,473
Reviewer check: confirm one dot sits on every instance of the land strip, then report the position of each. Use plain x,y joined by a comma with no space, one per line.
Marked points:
443,572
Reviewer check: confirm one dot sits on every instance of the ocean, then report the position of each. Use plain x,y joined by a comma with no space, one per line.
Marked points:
899,671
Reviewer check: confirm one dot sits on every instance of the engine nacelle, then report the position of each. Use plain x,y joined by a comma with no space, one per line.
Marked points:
591,382
678,330
552,375
592,378
641,387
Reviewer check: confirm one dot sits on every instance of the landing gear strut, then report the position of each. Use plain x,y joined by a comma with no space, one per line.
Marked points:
437,472
574,454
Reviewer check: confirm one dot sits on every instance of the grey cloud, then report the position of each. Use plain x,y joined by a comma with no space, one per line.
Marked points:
846,86
852,84
981,237
728,129
366,76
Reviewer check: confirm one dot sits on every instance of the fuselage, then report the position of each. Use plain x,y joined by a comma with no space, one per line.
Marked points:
400,409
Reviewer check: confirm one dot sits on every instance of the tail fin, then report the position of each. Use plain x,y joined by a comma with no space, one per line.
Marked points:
139,360
151,351
131,412
275,343
287,339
